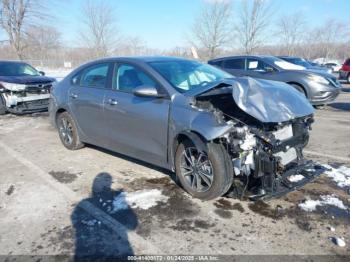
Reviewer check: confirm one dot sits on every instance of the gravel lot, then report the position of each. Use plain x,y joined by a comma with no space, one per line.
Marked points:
47,204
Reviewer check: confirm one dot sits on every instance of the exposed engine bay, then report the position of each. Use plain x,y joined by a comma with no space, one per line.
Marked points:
25,98
264,154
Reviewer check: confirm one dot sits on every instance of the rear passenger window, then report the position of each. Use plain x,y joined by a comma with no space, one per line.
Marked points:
95,76
235,64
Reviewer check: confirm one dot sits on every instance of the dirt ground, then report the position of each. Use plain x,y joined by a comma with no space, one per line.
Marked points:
47,205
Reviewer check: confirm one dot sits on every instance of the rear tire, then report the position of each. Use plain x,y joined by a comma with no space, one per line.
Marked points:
68,132
218,162
348,79
3,108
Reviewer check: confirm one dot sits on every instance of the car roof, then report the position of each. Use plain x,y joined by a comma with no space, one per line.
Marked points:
287,56
13,62
142,59
242,56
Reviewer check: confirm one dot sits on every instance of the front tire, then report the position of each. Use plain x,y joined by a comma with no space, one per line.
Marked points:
68,132
3,108
204,175
348,79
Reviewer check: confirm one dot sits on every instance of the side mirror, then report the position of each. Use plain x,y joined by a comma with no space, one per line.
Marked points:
42,73
147,91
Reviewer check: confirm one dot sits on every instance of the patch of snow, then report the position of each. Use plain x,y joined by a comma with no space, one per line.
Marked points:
340,175
339,241
331,228
295,178
143,199
310,205
310,170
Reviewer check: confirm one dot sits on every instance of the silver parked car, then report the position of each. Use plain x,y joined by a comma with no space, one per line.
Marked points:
320,88
216,131
306,64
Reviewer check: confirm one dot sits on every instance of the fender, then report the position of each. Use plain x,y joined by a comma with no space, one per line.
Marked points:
197,140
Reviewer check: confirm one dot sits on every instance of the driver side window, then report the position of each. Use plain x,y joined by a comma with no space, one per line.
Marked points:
127,77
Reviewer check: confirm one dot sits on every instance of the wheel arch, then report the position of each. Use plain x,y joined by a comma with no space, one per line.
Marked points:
58,112
199,140
300,85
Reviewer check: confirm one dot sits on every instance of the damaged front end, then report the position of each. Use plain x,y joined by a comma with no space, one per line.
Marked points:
25,98
270,128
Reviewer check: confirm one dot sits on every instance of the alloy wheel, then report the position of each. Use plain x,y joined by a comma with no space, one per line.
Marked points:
196,169
66,131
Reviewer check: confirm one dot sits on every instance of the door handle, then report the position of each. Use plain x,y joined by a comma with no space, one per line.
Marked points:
73,95
112,102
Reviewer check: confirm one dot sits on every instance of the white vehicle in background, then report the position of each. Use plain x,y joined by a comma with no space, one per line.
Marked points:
335,66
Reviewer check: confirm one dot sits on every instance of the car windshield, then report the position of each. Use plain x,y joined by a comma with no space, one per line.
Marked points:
17,69
282,64
299,61
188,75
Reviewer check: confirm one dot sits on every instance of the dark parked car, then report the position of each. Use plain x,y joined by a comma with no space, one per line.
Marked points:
215,131
319,88
306,64
344,72
23,89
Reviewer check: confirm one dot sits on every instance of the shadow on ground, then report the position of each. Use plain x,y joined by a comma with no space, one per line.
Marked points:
93,239
136,161
340,106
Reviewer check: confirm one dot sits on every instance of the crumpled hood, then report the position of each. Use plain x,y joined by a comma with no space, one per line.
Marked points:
270,101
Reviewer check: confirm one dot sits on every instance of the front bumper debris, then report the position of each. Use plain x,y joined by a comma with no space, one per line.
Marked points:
29,101
31,106
279,185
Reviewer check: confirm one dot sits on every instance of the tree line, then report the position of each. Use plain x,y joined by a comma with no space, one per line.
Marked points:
252,28
221,28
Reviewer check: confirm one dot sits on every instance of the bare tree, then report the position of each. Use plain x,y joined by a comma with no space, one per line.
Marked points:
211,30
179,51
291,32
42,42
99,32
252,25
15,17
328,35
132,46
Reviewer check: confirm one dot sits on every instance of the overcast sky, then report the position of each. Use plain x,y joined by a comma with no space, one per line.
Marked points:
163,23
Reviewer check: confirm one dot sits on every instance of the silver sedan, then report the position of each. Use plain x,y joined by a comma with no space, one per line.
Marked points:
220,134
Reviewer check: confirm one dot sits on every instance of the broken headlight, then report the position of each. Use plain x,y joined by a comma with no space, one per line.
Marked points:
13,87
